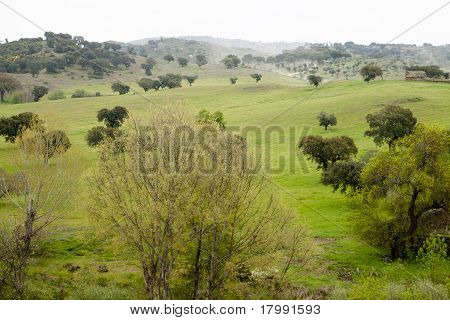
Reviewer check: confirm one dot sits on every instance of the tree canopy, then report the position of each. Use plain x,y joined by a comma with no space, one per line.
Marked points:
231,61
113,118
390,124
326,120
370,72
7,84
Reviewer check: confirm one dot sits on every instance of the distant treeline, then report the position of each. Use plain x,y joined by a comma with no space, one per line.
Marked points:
58,51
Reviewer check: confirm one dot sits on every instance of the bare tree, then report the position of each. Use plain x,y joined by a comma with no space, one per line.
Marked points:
181,195
45,178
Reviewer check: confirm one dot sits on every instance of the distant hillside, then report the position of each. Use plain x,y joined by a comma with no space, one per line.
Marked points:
181,46
268,48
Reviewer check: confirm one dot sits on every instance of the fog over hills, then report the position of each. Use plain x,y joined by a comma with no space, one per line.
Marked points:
265,48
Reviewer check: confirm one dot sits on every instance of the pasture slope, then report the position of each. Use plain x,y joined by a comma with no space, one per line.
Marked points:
276,101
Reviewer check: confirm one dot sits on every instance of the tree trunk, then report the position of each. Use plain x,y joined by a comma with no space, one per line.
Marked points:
197,265
2,96
413,218
212,266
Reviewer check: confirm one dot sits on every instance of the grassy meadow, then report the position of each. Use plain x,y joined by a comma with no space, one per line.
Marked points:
277,103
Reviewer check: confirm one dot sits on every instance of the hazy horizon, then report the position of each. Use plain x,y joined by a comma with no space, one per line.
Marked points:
256,21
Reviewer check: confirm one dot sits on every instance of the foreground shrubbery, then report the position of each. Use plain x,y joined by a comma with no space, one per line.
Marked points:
201,225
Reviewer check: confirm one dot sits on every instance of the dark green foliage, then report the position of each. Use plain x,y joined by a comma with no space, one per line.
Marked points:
113,118
191,79
390,124
120,88
370,72
38,92
97,135
326,151
170,81
148,65
169,58
183,62
315,52
204,117
12,127
431,71
326,120
406,192
146,84
201,60
56,142
26,55
231,61
256,76
344,175
233,80
7,84
51,67
314,80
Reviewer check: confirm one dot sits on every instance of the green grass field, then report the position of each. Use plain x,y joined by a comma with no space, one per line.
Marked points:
276,103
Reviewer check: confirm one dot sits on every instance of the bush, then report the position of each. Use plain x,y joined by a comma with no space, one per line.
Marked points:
80,93
16,98
56,95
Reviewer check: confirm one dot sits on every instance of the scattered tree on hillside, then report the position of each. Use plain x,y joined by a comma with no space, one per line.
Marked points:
231,61
148,65
120,88
7,84
314,80
113,118
326,151
233,80
344,175
169,58
191,79
256,76
38,92
183,62
201,60
326,120
390,124
170,81
370,72
146,84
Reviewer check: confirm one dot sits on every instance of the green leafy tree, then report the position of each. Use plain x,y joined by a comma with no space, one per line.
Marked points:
326,120
146,84
344,176
183,62
38,92
314,80
390,124
233,80
204,117
201,60
407,191
97,135
113,118
12,128
148,65
51,67
370,72
231,61
326,151
191,79
256,76
169,58
170,81
120,88
7,84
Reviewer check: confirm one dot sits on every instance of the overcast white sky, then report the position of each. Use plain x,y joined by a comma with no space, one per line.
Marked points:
361,21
